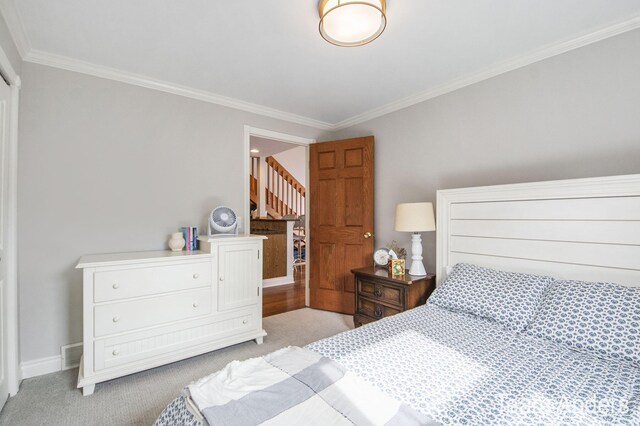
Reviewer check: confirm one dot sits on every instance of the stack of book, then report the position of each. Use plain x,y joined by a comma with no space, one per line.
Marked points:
190,234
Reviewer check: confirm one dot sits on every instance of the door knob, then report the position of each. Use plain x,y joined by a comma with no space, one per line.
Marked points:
368,235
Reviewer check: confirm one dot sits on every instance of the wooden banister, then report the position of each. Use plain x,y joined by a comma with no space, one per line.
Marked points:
284,194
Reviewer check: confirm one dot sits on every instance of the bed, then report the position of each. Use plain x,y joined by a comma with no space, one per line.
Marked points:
510,337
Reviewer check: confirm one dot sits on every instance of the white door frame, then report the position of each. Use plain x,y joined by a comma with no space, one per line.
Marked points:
282,137
11,253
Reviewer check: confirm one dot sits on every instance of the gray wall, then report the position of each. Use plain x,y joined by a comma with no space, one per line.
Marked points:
9,47
107,167
573,115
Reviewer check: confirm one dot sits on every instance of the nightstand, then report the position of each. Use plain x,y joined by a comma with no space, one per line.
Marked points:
380,295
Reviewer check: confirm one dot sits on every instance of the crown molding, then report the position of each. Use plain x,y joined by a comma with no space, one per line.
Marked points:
23,44
76,65
495,70
14,22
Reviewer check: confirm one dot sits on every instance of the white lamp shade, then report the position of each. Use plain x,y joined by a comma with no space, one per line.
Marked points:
415,217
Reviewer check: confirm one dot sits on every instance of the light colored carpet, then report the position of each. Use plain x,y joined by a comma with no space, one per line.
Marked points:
138,399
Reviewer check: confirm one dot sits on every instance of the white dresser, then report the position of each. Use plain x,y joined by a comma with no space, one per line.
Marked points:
143,310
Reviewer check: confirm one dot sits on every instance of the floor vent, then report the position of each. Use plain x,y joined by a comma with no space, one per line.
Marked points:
71,355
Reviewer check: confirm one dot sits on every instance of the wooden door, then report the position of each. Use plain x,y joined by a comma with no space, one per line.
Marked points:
5,96
340,220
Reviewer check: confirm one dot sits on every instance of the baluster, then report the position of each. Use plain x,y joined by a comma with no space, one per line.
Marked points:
272,185
267,197
281,190
284,194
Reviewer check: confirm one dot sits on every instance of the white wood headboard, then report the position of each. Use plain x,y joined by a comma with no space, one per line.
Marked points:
587,229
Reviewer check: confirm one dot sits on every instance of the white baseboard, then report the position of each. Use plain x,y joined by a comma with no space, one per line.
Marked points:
41,366
272,282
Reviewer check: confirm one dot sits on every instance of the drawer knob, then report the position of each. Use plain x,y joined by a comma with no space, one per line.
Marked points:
377,312
116,319
377,292
196,276
244,321
221,279
115,286
115,352
195,304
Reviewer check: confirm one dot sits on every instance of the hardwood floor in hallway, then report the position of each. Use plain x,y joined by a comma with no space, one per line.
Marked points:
284,298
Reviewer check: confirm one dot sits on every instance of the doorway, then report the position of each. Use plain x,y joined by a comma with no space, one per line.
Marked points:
276,203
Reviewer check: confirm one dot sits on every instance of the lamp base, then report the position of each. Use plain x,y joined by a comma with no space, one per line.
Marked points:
417,268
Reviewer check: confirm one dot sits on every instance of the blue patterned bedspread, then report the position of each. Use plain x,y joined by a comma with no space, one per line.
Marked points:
460,369
464,370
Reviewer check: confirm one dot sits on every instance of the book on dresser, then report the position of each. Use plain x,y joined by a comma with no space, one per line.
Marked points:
146,309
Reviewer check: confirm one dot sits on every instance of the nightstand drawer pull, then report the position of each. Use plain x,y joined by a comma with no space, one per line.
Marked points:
377,292
377,311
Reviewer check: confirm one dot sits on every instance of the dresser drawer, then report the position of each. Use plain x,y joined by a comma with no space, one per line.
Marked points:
380,291
374,309
147,281
135,347
131,315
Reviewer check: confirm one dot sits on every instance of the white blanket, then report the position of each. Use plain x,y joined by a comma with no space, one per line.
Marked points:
295,386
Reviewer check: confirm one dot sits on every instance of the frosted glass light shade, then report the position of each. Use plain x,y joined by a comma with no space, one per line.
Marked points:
415,217
351,23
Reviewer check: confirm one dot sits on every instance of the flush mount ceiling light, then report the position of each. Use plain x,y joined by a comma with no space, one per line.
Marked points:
352,23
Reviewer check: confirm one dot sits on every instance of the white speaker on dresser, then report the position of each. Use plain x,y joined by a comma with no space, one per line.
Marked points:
142,310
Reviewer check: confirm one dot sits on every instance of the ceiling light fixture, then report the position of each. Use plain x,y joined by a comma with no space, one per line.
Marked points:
351,23
254,150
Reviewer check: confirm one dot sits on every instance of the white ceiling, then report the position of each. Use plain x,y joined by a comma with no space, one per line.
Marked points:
269,53
268,147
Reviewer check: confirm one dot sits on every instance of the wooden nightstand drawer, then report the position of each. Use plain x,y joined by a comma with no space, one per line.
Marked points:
381,291
379,294
374,309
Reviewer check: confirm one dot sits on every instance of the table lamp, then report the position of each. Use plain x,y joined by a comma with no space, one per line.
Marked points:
415,218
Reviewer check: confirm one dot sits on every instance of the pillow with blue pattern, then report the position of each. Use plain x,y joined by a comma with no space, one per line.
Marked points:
509,298
599,318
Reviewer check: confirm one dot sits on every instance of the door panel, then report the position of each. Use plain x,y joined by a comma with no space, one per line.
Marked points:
238,275
353,201
341,191
327,214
